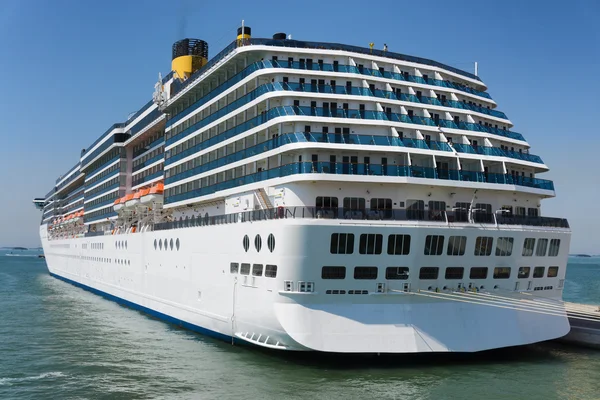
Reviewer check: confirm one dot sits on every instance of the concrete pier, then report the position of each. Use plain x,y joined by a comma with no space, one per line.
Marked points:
584,332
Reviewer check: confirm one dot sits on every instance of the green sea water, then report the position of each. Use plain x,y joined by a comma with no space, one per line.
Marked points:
60,342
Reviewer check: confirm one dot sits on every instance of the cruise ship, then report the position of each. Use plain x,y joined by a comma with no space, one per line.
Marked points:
314,196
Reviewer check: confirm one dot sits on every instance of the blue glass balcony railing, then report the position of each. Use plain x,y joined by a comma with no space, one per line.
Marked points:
496,151
362,169
109,213
106,164
334,113
337,68
178,86
302,137
152,145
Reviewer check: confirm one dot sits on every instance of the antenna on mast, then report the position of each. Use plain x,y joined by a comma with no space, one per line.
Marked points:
476,69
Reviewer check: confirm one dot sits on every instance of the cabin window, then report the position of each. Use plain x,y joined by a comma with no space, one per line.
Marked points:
461,212
327,202
342,243
538,272
333,273
257,269
434,245
501,272
542,245
552,272
524,272
454,272
478,273
528,246
533,212
554,248
483,246
504,246
271,271
429,273
370,243
396,273
398,245
437,210
456,245
234,268
365,273
415,209
245,270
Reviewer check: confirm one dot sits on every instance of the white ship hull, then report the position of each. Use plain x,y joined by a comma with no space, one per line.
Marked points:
193,286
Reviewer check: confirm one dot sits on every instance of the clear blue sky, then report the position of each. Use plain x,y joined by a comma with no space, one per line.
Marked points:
72,68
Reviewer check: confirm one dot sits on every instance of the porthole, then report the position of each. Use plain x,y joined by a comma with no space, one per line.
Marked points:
155,244
166,244
171,244
177,244
271,242
246,243
126,245
160,244
257,243
116,245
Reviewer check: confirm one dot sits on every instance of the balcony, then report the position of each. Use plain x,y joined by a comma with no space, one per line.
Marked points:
304,137
496,151
366,170
338,113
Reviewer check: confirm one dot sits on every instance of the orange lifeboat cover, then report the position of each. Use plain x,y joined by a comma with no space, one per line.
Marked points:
159,188
137,194
144,192
128,197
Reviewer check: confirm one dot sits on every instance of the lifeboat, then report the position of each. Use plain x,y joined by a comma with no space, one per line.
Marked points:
135,200
154,195
119,203
126,201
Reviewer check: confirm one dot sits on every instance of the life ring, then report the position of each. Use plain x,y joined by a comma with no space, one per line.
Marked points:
133,229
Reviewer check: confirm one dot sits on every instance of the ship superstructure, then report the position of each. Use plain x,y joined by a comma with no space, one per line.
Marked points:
316,196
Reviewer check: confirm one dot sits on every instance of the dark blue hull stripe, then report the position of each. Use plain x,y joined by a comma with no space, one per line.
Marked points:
151,312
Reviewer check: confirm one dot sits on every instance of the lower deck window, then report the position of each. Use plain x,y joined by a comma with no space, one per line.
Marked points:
478,273
271,271
454,272
396,273
245,270
538,272
234,268
333,273
524,272
429,273
552,272
365,273
501,272
257,269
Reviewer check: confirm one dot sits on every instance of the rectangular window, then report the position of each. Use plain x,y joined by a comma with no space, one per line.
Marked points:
234,268
327,202
428,273
396,273
415,209
504,246
245,269
461,212
552,272
456,245
538,272
482,213
532,212
437,210
434,245
381,204
365,272
257,269
354,204
542,245
454,272
370,243
478,273
342,243
528,246
524,272
501,272
398,245
483,246
554,247
333,273
271,271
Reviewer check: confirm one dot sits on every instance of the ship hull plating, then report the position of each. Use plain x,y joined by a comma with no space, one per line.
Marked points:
184,276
